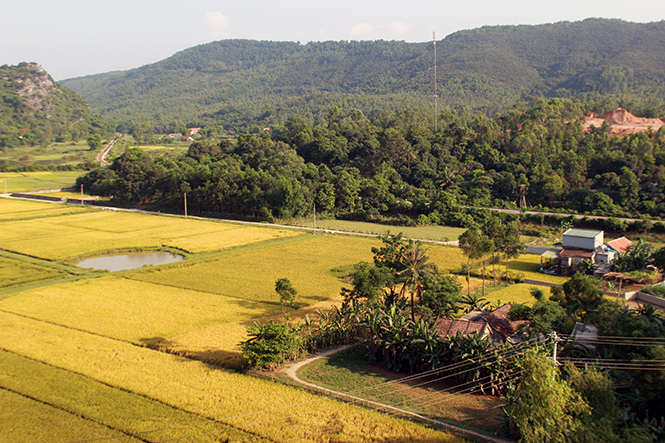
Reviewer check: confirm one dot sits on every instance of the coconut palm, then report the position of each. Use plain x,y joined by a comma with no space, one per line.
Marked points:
415,270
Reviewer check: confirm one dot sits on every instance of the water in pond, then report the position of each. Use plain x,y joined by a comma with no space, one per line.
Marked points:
126,261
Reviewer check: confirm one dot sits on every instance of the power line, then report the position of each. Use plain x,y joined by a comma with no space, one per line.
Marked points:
487,355
393,405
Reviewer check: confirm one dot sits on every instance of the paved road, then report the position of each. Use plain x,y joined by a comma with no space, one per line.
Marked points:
577,216
101,157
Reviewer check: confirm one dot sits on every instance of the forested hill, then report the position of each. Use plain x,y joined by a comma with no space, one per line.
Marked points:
488,68
36,110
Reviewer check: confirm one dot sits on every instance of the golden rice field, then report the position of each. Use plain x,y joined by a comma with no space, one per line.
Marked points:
438,233
14,210
92,231
250,274
247,404
30,181
514,293
82,359
529,265
15,272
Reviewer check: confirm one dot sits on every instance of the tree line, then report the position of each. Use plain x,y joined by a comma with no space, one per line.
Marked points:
396,165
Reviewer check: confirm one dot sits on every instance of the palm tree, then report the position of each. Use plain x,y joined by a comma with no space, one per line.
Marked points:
415,270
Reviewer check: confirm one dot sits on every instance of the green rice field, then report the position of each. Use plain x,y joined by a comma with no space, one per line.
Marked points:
31,181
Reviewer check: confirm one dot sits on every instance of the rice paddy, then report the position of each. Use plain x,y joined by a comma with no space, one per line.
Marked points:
139,354
15,272
86,232
30,181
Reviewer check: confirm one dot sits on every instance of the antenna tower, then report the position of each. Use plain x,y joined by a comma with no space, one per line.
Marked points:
522,198
436,111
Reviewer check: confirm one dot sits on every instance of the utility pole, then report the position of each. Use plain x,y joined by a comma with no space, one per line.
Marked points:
555,339
185,205
314,215
436,104
82,202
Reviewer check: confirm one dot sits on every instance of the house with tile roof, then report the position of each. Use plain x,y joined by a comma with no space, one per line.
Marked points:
494,324
584,244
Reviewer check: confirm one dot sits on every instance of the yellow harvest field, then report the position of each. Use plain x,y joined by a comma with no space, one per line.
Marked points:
73,235
90,348
252,405
15,272
250,274
11,209
517,293
130,310
23,420
529,265
89,402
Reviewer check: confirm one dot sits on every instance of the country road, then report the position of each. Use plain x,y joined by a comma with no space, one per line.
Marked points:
561,214
101,157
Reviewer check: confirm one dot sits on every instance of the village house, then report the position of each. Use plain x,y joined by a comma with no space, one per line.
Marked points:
494,324
584,244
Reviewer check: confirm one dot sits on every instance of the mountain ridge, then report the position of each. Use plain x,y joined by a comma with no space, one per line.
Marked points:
35,109
486,68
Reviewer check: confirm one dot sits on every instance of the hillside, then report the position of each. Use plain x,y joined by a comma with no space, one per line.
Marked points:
233,81
35,109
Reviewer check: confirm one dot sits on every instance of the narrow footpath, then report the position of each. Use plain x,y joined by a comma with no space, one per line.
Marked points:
292,369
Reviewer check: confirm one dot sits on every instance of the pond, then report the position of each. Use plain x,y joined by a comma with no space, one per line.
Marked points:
131,260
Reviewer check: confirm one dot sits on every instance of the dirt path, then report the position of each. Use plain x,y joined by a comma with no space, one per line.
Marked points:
292,369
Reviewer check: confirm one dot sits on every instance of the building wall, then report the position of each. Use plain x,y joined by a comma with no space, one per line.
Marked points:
583,242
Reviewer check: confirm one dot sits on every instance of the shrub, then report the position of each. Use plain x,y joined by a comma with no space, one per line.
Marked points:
271,344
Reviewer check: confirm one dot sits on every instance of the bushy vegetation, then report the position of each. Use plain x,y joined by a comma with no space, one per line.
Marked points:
352,167
627,353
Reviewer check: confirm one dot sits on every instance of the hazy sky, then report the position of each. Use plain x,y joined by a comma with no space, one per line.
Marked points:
72,38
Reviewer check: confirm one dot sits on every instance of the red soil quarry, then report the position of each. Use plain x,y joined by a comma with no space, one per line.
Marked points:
623,122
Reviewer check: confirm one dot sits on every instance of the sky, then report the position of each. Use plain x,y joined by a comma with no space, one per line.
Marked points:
74,38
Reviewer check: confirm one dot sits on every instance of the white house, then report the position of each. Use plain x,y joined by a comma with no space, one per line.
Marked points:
583,238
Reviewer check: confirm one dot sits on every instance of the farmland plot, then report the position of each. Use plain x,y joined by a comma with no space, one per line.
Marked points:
133,311
247,404
11,209
250,274
15,272
73,235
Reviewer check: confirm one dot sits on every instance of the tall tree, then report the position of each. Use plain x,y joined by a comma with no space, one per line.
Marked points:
287,294
475,245
547,408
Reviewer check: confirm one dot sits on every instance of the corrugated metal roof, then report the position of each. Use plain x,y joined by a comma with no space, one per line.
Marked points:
550,254
585,233
620,244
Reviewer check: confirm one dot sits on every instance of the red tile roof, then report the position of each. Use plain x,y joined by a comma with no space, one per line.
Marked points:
448,327
496,322
501,324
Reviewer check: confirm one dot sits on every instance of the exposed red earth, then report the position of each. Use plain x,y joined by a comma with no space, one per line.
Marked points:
623,122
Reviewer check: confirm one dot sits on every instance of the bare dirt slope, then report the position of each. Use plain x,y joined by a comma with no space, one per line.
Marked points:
623,122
